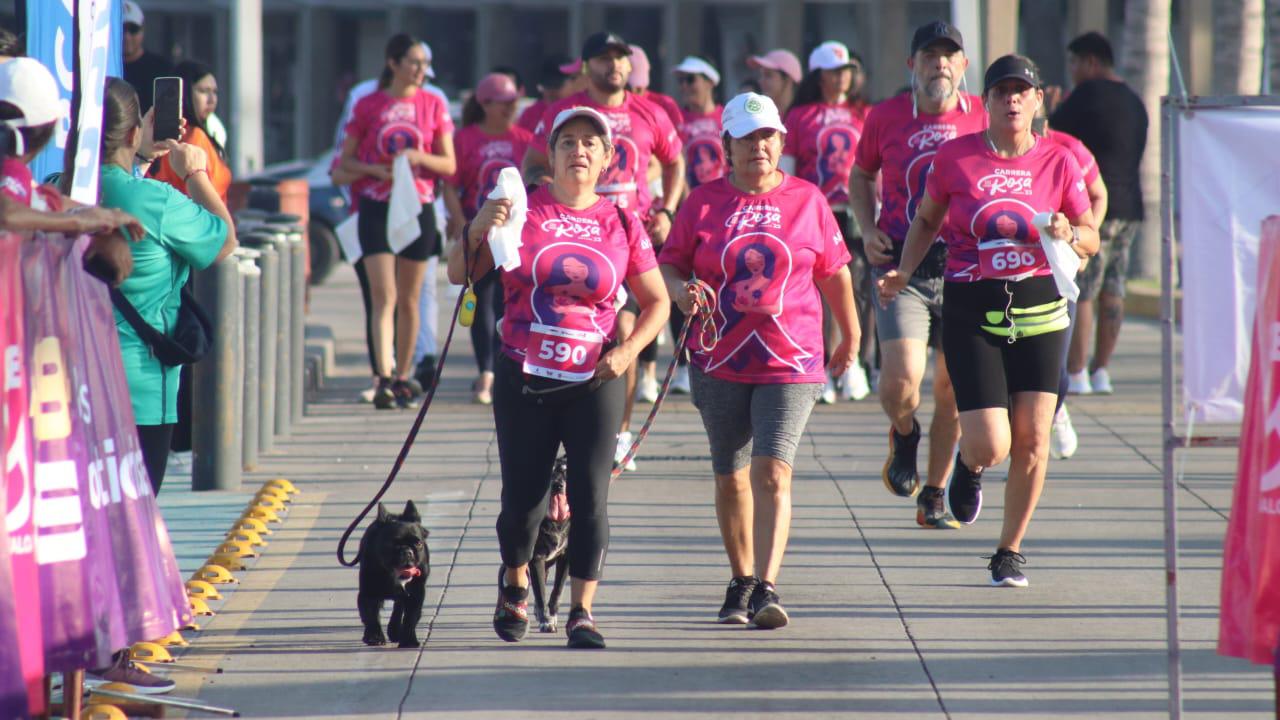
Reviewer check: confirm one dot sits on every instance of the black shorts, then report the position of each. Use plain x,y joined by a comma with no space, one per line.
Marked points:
372,226
985,367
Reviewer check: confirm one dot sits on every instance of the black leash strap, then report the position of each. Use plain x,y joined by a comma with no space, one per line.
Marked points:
413,431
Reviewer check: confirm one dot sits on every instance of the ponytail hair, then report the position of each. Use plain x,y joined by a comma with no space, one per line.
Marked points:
120,114
397,47
472,111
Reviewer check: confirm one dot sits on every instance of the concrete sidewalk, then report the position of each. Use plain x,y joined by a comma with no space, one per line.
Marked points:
888,619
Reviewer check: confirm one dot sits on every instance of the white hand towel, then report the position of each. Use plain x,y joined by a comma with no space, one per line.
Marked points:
504,242
349,238
403,207
1062,259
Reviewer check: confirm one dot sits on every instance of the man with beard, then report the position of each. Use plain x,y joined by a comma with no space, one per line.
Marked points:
899,140
640,130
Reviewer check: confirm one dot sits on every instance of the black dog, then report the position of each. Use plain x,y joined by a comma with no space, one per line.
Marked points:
551,548
394,564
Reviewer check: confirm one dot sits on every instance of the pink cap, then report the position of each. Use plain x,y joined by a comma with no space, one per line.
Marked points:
782,60
572,68
496,87
639,68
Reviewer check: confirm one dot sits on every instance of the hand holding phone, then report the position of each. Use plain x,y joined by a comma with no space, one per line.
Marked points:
168,108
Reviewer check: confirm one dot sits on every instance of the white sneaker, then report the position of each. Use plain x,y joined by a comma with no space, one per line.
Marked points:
680,381
623,447
828,396
1101,382
647,390
1078,383
853,384
178,463
1063,439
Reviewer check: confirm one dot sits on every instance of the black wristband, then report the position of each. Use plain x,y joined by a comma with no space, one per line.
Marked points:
670,215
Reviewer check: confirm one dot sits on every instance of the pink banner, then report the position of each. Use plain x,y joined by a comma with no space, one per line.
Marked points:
1250,624
25,642
107,576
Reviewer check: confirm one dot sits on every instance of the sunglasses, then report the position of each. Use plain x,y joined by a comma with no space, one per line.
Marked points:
687,79
132,28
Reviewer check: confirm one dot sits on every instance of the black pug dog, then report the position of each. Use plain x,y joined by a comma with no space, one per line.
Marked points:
551,548
394,564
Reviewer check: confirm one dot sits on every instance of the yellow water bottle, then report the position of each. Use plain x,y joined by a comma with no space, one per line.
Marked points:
467,314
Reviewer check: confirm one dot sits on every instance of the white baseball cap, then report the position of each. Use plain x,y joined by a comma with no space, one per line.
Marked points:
749,112
427,49
830,55
694,65
577,111
133,13
29,86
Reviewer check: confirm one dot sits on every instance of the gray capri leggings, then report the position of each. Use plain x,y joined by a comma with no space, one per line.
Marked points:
745,420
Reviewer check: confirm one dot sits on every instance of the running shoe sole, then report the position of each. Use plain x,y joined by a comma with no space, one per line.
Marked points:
1010,582
946,522
737,618
770,617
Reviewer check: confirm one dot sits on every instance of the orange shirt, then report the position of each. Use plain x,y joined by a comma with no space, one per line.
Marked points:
219,173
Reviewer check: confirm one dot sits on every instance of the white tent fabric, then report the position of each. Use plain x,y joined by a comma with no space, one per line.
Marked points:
1229,181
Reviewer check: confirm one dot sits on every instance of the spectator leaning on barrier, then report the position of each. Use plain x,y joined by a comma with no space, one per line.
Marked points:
1110,119
199,100
181,233
29,111
141,68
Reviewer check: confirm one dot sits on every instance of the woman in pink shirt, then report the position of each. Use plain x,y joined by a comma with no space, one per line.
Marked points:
399,118
766,245
557,377
488,142
1004,320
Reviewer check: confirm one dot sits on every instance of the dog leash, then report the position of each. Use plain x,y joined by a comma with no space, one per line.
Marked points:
463,297
704,305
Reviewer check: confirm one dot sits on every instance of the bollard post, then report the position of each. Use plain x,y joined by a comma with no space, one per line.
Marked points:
217,388
297,323
284,344
269,310
252,343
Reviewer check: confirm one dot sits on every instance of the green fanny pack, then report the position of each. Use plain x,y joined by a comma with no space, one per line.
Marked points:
1014,322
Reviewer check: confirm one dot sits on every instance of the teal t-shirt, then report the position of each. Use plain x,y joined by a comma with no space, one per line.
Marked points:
180,235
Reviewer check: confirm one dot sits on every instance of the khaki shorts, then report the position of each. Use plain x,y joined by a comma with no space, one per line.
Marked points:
1107,271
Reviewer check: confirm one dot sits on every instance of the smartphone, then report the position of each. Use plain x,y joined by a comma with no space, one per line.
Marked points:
168,107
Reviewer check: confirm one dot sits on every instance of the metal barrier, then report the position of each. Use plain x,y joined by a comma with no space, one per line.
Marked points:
249,390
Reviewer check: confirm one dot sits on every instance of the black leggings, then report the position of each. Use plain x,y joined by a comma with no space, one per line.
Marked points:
484,329
154,443
367,298
1064,379
531,429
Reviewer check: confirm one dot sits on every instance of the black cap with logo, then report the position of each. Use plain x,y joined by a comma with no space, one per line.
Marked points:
933,32
601,42
1011,67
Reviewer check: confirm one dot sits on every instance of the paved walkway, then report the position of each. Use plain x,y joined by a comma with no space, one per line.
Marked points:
888,619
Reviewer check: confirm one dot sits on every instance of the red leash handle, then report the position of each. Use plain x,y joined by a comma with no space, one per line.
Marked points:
704,305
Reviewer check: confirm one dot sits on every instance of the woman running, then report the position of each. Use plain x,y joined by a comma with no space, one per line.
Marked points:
1004,321
558,375
823,129
766,246
399,118
488,142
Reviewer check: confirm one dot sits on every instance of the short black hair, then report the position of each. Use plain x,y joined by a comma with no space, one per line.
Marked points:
1094,45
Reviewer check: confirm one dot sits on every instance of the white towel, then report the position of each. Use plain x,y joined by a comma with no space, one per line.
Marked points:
504,242
403,207
349,237
1062,259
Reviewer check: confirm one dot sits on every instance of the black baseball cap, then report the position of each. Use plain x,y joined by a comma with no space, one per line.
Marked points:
1011,67
600,42
937,31
550,75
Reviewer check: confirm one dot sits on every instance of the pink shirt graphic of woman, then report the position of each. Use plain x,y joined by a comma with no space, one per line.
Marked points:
569,290
750,291
835,160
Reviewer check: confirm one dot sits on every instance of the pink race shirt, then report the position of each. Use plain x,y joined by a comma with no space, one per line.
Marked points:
761,254
386,126
667,104
481,157
991,201
1088,165
703,151
640,130
532,115
823,139
572,263
900,143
